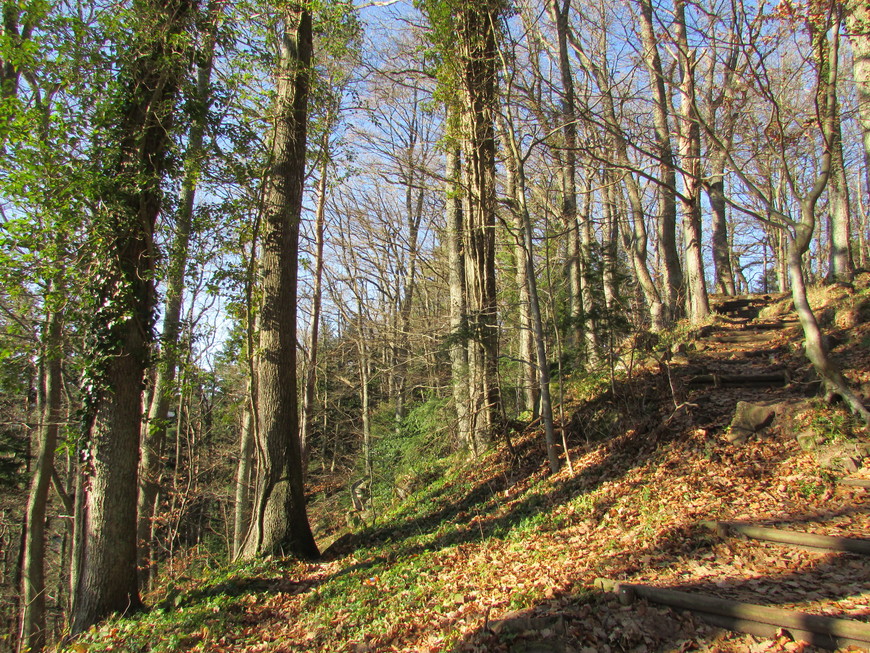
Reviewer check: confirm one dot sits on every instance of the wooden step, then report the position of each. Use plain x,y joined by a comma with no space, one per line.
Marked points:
740,380
845,544
828,632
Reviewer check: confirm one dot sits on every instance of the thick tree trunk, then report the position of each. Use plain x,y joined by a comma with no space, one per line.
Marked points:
279,525
477,44
33,590
154,432
122,323
723,274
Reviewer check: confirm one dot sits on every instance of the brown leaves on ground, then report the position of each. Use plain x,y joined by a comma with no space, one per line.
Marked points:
505,560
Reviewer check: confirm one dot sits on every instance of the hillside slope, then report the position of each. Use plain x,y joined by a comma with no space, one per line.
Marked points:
496,555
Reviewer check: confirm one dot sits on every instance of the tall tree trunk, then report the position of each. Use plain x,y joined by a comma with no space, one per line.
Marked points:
129,202
690,158
609,248
407,285
477,50
672,272
826,51
154,431
279,525
858,27
458,305
635,237
840,265
33,590
523,224
242,507
583,328
308,393
724,275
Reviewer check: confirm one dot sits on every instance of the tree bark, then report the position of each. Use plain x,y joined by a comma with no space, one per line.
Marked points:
840,265
635,236
523,224
242,508
580,293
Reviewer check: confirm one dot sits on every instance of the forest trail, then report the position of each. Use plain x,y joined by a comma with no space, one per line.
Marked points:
762,561
498,555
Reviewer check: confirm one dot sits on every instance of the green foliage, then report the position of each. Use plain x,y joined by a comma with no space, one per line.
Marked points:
412,449
833,423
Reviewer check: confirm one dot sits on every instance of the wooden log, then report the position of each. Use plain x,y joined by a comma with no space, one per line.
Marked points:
777,378
749,335
848,544
770,631
854,482
737,611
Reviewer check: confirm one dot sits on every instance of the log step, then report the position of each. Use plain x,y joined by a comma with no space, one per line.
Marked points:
846,544
738,380
855,482
747,337
828,632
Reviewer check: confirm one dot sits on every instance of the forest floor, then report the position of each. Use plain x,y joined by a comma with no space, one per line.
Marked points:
498,555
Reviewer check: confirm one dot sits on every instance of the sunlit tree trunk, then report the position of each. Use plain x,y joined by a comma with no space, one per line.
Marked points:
458,305
244,469
858,28
672,272
840,265
635,236
523,235
690,161
279,524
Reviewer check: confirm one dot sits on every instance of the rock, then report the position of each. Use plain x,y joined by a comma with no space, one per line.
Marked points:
809,440
825,316
749,418
678,348
852,315
831,342
846,457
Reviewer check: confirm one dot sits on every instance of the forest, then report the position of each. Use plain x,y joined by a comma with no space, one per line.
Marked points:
267,265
